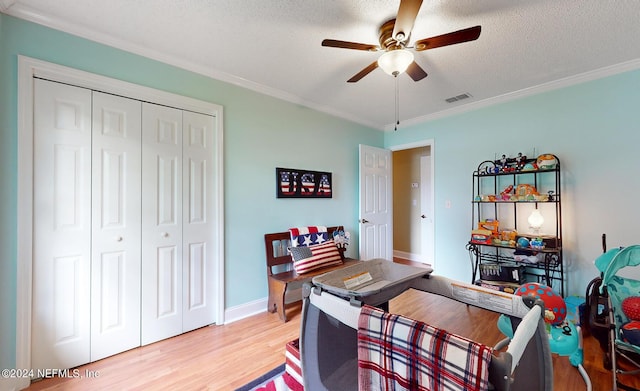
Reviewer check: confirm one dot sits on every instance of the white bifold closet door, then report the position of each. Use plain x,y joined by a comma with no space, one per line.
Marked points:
86,296
161,223
62,226
198,217
177,222
123,225
116,225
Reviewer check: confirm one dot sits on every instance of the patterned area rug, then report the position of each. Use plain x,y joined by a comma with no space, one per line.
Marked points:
274,380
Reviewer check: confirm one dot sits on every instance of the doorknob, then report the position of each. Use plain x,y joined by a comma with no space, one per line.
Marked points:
118,238
423,216
164,234
364,221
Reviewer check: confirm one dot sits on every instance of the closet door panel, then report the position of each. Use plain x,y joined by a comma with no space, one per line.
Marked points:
116,225
198,265
161,222
62,225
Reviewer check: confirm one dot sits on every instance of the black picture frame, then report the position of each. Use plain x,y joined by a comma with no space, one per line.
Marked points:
299,183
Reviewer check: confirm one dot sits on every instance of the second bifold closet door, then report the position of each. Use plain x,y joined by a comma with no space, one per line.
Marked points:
176,222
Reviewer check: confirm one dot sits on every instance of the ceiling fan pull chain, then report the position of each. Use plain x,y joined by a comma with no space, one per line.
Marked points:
397,104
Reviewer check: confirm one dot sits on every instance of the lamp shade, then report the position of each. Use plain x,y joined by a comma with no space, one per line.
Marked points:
535,219
394,62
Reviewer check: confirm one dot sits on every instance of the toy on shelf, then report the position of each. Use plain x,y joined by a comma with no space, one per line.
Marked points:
509,164
508,237
481,236
526,192
520,161
536,243
546,162
550,195
502,163
507,193
523,242
491,225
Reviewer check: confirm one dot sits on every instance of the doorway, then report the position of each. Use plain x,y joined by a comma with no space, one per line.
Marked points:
413,205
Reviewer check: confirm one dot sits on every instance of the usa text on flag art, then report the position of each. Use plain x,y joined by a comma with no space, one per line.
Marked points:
297,183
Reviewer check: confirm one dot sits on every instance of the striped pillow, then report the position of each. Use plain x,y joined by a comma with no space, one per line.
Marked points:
306,259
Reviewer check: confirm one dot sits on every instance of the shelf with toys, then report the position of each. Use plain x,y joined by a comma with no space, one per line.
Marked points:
516,231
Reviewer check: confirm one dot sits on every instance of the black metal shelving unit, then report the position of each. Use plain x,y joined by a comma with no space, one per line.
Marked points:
488,181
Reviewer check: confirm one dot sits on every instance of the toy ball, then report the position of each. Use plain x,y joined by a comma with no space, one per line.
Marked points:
631,307
523,242
552,301
546,161
630,332
536,243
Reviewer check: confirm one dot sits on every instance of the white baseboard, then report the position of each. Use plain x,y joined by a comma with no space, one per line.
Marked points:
242,311
406,255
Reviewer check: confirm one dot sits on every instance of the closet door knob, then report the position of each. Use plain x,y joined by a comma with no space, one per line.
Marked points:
164,234
118,238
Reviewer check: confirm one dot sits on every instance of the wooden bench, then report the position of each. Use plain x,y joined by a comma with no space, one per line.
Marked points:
279,259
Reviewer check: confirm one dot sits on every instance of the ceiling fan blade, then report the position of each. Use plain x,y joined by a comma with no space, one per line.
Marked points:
416,72
349,45
407,13
464,35
363,72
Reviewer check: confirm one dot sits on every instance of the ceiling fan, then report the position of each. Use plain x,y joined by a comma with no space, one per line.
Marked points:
394,38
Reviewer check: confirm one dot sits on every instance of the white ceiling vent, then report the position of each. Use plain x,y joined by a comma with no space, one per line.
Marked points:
458,97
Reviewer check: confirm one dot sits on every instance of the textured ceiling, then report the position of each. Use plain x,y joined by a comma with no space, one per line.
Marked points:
273,46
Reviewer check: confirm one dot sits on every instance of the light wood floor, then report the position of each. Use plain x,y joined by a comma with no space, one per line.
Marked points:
227,357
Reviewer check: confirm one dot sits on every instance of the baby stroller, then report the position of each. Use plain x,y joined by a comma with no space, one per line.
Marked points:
619,288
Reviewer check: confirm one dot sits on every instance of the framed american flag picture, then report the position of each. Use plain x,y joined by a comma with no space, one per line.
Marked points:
297,183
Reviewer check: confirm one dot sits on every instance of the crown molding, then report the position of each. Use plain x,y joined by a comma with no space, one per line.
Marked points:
29,14
550,86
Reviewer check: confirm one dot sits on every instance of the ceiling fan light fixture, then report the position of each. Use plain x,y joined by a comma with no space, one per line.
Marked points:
395,62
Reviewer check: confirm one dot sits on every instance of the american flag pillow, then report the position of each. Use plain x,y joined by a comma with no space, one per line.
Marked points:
306,236
306,259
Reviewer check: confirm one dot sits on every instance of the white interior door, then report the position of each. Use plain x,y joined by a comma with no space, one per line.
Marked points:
199,304
62,226
376,228
161,222
116,230
426,218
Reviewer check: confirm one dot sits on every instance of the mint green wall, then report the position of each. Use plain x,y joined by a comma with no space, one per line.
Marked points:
8,180
260,133
594,128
